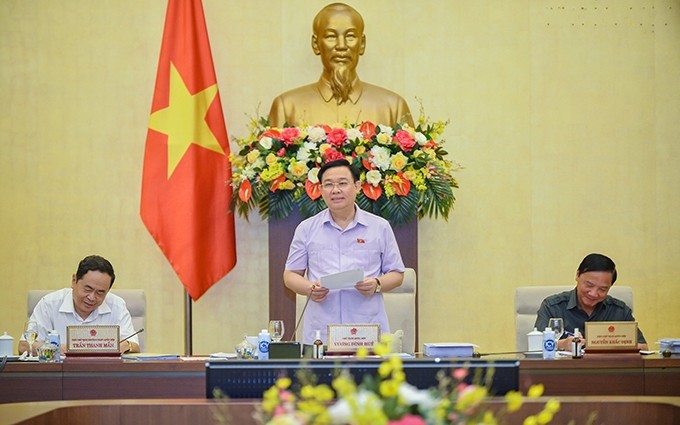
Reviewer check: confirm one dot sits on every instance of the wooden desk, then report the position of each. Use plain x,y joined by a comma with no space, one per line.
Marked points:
587,376
612,410
662,376
99,379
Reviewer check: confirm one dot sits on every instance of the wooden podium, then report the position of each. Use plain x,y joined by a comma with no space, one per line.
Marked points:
282,299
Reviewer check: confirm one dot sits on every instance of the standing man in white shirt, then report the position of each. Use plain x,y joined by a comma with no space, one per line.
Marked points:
86,302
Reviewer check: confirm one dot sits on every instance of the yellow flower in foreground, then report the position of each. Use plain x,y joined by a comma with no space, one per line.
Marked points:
535,391
530,420
270,399
514,401
344,385
389,388
362,352
488,418
470,397
283,383
544,417
552,406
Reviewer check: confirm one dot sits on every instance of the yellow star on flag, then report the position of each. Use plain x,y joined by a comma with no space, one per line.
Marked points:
184,120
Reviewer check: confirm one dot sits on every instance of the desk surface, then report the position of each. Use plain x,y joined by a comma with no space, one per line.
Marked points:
614,410
115,379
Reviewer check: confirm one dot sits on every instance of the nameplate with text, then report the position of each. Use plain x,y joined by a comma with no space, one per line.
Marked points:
611,336
93,340
348,338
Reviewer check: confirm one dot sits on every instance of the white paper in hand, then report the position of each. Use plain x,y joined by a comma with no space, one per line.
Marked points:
341,280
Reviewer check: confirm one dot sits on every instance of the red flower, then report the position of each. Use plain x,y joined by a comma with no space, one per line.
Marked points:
313,190
289,134
401,188
272,133
277,182
404,140
245,191
371,192
367,129
367,164
281,152
408,420
337,137
332,155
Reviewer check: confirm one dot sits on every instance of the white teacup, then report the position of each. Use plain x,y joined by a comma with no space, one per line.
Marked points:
6,345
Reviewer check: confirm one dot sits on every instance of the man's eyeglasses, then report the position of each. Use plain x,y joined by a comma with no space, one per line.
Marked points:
328,186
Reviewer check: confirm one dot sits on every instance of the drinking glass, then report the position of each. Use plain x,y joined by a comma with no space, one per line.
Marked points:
557,325
276,330
30,334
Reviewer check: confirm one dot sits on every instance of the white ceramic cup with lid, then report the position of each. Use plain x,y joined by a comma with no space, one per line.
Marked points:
6,345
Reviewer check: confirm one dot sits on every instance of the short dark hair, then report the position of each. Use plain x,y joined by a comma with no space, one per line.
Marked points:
338,163
598,263
95,263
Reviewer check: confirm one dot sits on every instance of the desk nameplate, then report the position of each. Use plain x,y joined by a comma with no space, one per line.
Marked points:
611,336
348,338
93,340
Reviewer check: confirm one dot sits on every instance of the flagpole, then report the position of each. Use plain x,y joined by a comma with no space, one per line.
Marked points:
187,324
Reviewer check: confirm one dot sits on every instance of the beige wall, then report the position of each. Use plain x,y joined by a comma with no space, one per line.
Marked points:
564,114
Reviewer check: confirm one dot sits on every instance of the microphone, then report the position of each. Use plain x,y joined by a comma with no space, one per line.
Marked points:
131,335
478,355
297,325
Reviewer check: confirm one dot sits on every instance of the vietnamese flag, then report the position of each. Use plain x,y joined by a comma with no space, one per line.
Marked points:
185,183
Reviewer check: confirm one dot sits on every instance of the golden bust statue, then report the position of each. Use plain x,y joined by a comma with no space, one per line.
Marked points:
339,95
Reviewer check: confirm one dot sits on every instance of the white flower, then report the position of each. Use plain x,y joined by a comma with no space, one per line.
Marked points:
259,163
266,142
249,172
316,134
420,138
380,157
313,175
341,412
354,133
303,155
413,396
386,129
374,177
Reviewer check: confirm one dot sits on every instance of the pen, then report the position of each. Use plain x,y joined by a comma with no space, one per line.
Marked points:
568,334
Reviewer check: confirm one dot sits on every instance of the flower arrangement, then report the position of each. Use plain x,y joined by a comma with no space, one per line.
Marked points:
404,170
390,400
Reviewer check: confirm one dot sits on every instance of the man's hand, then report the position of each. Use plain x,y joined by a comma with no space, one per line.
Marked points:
318,293
367,287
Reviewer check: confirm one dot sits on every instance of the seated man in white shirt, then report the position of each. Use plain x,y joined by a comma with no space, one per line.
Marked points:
86,302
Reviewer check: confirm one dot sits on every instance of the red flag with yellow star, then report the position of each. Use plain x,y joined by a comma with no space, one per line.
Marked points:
185,190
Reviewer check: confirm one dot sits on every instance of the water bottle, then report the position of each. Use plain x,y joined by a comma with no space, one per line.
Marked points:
577,345
263,340
549,344
318,347
53,338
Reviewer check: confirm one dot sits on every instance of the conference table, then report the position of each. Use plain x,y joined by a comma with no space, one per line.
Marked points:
89,379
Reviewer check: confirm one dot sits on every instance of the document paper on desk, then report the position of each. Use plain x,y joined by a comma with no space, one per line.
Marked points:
341,280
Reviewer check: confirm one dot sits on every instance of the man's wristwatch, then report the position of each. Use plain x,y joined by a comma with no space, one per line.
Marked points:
377,286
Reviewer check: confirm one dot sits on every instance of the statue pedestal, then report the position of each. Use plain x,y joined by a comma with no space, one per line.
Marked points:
282,299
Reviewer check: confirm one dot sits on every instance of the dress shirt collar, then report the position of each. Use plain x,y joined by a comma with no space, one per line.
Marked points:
573,302
324,87
359,218
68,307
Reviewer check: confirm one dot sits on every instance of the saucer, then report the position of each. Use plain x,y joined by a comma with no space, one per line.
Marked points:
533,354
